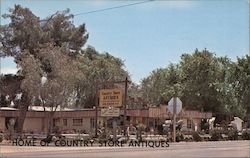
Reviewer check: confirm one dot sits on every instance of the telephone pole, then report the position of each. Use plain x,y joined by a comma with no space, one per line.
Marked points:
96,108
125,107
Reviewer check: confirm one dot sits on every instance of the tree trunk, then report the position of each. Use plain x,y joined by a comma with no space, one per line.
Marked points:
23,108
43,120
50,124
248,117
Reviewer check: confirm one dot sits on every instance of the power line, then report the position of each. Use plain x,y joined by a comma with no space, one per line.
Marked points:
101,10
111,8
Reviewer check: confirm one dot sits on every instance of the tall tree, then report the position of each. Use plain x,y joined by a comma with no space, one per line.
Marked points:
57,90
224,85
242,84
202,81
96,67
199,77
161,85
26,31
26,35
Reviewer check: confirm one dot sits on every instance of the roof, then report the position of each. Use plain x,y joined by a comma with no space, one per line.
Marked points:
7,108
41,108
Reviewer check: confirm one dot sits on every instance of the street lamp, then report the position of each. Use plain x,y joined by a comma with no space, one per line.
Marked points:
43,81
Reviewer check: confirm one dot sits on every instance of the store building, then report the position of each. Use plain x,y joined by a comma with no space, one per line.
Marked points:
84,120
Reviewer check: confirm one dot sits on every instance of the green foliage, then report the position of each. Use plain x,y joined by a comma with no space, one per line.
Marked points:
40,47
246,135
196,137
1,137
4,102
204,125
179,137
161,85
96,67
52,47
9,85
27,36
241,84
232,134
216,135
26,31
139,128
204,82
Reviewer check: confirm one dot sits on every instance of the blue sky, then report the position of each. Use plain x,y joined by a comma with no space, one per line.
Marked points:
152,35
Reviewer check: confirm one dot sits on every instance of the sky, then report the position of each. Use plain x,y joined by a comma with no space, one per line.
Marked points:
153,34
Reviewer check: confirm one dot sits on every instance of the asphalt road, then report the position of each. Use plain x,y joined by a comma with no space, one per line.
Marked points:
225,149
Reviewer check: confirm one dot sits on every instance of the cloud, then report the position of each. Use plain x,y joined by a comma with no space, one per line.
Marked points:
8,70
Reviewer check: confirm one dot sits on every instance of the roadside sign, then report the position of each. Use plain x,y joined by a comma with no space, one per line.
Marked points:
110,98
178,105
110,112
174,106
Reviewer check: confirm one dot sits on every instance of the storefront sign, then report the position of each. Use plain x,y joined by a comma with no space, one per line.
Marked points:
110,98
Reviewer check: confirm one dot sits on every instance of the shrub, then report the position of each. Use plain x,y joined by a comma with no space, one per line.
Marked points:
179,137
204,125
1,138
196,137
233,135
216,135
246,135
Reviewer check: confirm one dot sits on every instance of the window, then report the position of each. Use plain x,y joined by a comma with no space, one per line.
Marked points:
77,122
189,123
65,123
56,122
92,122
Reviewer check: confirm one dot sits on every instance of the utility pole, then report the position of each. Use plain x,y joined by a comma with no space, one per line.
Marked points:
96,108
125,106
174,120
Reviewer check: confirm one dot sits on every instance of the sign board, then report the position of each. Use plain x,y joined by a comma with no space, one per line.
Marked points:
178,105
110,112
110,98
174,106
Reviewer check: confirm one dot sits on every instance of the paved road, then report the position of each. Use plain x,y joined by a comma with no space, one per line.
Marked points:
225,149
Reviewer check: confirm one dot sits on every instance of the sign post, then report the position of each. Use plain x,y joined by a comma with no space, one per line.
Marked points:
106,98
174,106
110,102
125,107
174,120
